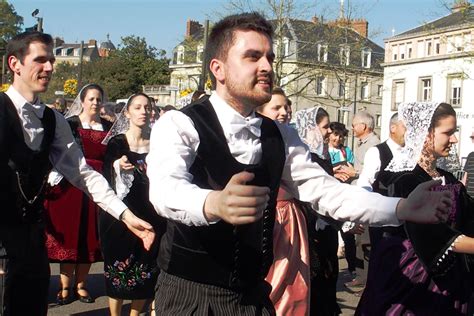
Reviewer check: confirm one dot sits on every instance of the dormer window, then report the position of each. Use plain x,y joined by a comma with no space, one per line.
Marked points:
344,54
367,57
322,53
77,52
64,52
286,47
180,55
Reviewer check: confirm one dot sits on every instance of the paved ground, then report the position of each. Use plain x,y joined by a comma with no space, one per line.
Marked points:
346,299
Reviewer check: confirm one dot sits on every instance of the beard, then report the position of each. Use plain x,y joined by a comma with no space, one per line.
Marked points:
249,93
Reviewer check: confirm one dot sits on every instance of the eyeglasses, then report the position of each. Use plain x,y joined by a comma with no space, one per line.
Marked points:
355,124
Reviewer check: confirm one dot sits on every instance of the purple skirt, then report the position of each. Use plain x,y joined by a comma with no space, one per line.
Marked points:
398,284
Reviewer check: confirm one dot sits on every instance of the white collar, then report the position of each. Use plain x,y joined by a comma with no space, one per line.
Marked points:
226,114
394,147
19,102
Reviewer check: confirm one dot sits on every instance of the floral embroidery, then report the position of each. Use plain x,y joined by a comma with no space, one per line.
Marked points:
125,275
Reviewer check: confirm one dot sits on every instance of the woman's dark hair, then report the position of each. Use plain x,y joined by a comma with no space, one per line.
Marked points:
133,96
322,113
442,111
92,86
338,128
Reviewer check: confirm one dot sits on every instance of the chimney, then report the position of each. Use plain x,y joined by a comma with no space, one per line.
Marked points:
92,43
460,5
361,26
192,27
58,42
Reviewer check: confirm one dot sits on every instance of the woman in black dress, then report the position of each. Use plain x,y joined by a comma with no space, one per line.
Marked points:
130,271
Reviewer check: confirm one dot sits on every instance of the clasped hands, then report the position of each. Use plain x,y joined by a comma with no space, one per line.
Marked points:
239,203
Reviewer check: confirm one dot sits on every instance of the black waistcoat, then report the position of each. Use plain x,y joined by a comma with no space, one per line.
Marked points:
23,171
380,184
221,254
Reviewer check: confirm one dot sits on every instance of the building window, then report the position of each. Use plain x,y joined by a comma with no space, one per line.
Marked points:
398,93
425,89
322,53
77,52
286,47
342,88
395,56
366,57
364,91
429,48
180,55
437,46
284,81
320,85
344,54
199,53
378,120
379,90
343,116
64,52
409,50
455,90
420,49
402,51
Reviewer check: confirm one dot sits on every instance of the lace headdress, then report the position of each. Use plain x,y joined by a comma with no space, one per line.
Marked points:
76,106
120,126
417,118
308,129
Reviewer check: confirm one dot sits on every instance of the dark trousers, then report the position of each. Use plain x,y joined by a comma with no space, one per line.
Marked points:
27,270
177,296
350,250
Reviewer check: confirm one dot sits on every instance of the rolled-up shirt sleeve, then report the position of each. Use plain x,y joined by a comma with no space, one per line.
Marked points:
67,157
308,182
173,148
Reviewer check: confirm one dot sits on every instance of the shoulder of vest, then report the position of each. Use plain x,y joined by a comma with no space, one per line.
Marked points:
198,104
107,125
74,122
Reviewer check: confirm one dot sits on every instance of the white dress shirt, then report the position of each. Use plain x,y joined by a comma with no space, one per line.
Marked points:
65,155
372,164
173,147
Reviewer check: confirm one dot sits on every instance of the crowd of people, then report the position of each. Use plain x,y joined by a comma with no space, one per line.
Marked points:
223,207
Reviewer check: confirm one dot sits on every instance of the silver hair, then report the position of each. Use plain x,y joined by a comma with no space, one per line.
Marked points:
366,118
394,119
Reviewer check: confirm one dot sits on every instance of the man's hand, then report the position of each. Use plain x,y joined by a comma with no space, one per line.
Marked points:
358,229
238,203
139,227
425,206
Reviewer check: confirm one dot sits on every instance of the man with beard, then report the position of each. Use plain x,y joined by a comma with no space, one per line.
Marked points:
214,170
33,139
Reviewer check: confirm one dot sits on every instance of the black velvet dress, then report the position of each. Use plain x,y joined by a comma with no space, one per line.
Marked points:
130,271
413,270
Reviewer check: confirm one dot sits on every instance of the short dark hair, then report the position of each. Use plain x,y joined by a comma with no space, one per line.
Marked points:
168,107
133,96
92,86
442,111
222,34
338,128
322,113
19,45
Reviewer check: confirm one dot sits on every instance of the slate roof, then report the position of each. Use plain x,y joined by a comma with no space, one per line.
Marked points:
463,17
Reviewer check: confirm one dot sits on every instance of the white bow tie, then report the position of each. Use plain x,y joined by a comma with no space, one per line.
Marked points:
252,124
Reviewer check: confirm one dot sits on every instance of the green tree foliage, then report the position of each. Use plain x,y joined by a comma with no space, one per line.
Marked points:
10,21
125,71
121,74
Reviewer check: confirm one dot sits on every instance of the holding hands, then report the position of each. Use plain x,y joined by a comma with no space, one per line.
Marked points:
425,206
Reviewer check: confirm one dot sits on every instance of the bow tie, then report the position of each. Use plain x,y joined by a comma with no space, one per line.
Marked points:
237,124
38,109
